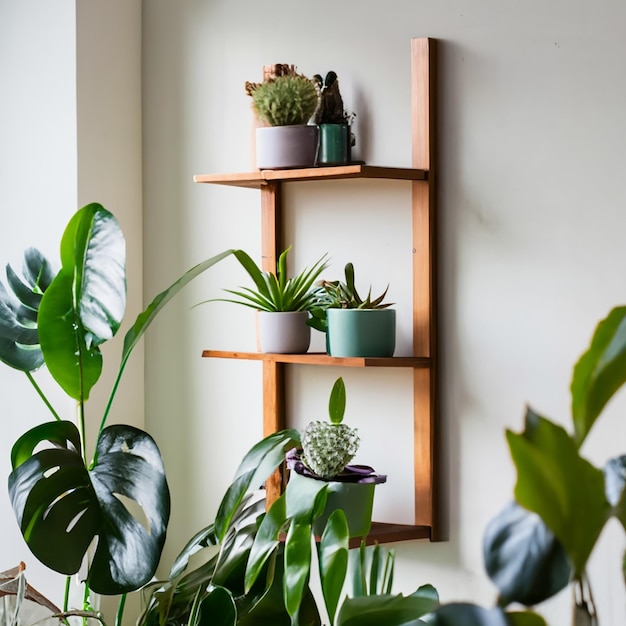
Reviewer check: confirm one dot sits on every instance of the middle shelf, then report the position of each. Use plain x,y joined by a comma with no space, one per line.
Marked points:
321,358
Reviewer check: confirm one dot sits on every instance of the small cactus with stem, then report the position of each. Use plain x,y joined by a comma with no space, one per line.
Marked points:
328,447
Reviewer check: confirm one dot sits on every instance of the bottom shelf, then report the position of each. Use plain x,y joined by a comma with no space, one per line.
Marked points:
388,533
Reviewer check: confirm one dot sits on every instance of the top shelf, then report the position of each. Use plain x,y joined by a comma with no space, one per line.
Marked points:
260,178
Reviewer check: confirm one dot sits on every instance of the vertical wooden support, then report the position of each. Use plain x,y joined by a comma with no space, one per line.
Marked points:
273,372
423,108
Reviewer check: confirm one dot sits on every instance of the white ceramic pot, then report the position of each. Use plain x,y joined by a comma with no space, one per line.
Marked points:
285,147
283,332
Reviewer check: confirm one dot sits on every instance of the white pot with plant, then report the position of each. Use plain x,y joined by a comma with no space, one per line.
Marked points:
283,304
285,104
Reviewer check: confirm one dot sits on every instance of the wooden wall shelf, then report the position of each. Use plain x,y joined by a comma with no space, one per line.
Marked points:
424,362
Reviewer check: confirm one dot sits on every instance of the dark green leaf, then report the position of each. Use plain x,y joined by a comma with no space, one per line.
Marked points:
523,558
337,401
465,614
256,467
600,372
565,490
52,497
19,337
333,560
297,564
384,609
129,465
217,609
615,481
61,507
266,541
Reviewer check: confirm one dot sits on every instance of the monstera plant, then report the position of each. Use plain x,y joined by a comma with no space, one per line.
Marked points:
68,501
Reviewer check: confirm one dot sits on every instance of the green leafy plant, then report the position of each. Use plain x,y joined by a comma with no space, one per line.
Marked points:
338,294
64,498
542,542
285,100
276,292
244,574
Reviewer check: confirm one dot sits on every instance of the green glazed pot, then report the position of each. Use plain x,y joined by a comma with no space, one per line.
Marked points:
356,500
334,144
361,332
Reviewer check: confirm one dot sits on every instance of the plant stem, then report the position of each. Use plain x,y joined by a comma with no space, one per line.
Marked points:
120,610
81,428
66,596
585,613
42,396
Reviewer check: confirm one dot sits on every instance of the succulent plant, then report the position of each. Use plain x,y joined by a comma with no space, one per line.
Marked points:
328,447
285,100
343,295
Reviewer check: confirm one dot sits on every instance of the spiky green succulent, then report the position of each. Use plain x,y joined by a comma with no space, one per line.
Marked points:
285,100
327,447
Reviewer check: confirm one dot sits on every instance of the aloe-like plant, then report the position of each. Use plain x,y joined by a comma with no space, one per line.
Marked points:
65,498
285,100
276,292
336,294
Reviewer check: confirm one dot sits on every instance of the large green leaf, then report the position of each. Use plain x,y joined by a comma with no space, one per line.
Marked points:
390,610
564,489
217,609
600,372
129,465
525,618
266,540
54,502
61,507
256,467
333,559
19,338
523,558
84,305
297,564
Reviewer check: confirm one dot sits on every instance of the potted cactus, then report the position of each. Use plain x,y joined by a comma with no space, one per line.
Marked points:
284,104
355,326
327,448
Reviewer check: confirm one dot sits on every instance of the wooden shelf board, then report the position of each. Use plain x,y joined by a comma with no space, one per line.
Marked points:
321,358
259,178
388,533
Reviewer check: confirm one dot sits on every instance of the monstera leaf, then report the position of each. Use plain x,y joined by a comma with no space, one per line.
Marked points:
19,307
61,506
85,303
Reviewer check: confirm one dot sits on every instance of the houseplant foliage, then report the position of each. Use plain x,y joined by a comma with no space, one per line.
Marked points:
541,543
237,571
355,326
276,292
65,499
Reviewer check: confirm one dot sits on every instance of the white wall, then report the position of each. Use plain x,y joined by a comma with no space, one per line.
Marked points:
531,214
70,133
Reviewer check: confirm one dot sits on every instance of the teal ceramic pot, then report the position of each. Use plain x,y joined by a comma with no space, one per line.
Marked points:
334,144
361,332
356,500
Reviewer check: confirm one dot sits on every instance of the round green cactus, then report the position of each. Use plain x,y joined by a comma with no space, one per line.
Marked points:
285,100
